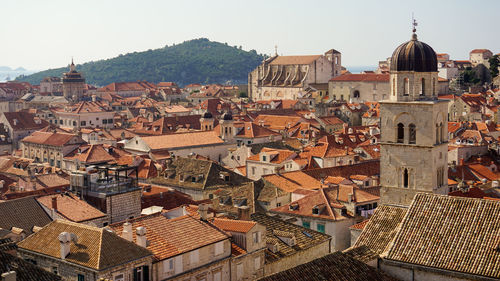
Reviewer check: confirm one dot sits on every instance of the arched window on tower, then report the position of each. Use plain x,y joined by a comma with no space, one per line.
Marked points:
406,178
441,132
437,133
356,94
412,134
401,133
434,86
406,90
422,87
393,86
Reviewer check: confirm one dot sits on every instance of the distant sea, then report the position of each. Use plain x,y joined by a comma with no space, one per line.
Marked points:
359,69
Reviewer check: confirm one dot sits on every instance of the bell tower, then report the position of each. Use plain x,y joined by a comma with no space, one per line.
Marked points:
414,128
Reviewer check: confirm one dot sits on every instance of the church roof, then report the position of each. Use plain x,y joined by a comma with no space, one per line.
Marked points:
283,60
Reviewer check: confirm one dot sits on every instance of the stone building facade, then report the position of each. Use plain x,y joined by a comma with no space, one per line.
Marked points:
73,84
414,139
288,77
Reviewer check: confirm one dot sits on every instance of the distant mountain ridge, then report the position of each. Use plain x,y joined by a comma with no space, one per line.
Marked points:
194,61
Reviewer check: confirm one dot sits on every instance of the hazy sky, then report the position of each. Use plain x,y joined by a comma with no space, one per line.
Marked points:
46,34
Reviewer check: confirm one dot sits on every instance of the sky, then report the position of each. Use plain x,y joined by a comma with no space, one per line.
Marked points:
46,34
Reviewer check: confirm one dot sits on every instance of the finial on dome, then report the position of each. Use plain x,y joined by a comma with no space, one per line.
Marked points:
414,30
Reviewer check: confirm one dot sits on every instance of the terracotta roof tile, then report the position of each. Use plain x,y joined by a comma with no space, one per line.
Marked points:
460,234
286,60
97,248
170,237
336,266
233,225
71,207
381,228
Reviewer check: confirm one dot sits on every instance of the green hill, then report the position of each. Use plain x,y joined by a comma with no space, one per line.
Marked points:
194,61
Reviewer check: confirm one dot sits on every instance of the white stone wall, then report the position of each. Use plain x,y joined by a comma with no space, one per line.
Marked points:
368,91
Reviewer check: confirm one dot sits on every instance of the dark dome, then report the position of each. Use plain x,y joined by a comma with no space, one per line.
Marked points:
227,116
414,56
207,115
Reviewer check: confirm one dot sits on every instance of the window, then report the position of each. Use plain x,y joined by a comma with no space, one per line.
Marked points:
257,263
141,273
256,237
194,256
422,87
405,178
119,277
83,123
105,121
219,248
393,86
356,94
81,277
320,228
264,158
253,170
55,270
406,87
401,133
413,134
168,265
306,224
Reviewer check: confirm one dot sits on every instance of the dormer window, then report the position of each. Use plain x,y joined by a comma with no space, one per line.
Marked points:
264,158
315,210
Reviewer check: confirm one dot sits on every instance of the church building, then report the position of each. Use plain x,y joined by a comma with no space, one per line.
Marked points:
73,84
290,77
414,139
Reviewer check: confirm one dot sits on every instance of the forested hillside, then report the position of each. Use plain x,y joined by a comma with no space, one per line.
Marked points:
194,61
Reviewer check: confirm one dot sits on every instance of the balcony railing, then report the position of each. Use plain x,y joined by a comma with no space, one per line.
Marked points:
113,186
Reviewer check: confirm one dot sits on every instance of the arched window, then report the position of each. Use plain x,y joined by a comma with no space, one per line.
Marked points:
434,86
401,133
406,87
405,178
422,87
412,134
437,133
356,94
393,86
441,133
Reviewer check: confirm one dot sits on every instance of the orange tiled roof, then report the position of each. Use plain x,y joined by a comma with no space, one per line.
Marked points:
252,130
286,60
71,207
233,225
359,226
53,139
171,237
276,156
182,140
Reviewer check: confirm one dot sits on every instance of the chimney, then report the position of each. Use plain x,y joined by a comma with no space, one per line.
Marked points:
127,231
141,236
202,211
94,98
461,161
2,182
9,276
64,239
244,213
54,203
